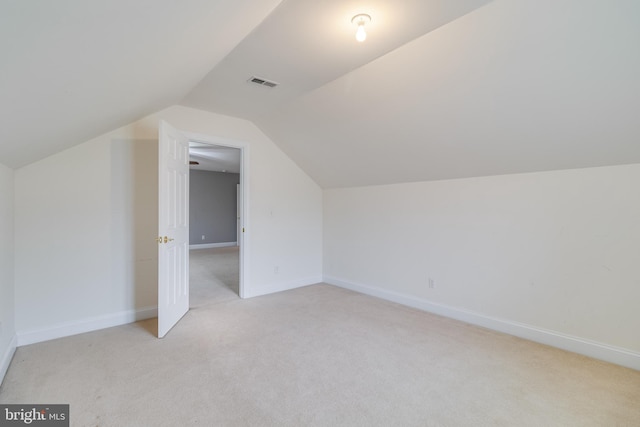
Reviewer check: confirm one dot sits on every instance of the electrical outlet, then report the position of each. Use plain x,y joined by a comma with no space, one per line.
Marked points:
276,269
203,237
432,283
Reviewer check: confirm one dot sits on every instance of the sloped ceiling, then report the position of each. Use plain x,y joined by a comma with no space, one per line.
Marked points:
440,89
515,86
306,44
511,86
71,70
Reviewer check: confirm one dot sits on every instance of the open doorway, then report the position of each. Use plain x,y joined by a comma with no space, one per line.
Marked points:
215,211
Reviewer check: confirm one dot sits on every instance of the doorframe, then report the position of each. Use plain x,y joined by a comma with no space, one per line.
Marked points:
244,190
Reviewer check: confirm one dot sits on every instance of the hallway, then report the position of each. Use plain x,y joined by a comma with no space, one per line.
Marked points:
214,275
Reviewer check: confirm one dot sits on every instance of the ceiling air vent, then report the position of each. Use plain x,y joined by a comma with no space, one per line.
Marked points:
263,82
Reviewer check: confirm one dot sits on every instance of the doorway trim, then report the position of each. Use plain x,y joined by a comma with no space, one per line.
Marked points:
244,190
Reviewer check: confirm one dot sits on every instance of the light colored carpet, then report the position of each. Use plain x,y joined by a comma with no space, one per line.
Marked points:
214,275
319,356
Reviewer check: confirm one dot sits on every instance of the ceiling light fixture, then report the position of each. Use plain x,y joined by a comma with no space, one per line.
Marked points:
360,20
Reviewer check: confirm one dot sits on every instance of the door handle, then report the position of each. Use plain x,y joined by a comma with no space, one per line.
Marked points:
164,239
167,239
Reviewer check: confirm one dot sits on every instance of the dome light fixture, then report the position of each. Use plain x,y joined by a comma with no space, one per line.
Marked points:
360,20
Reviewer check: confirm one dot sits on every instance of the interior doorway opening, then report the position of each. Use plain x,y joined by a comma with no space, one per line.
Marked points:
215,223
173,217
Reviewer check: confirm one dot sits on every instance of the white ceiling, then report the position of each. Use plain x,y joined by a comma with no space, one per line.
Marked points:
440,89
306,44
71,70
515,86
214,158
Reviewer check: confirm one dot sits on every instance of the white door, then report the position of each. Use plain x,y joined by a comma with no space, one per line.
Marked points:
173,228
238,210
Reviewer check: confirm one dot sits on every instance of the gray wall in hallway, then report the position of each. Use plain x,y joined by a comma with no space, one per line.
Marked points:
212,207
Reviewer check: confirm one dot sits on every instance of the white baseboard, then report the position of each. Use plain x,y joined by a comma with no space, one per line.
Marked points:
279,287
608,353
213,245
66,329
7,356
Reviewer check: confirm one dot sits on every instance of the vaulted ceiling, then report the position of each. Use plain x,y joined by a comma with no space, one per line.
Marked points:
440,88
71,70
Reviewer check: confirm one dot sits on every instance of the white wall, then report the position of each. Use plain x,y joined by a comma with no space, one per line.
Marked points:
7,326
86,220
552,256
134,224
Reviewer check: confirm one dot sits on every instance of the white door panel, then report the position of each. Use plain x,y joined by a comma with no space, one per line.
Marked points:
173,227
